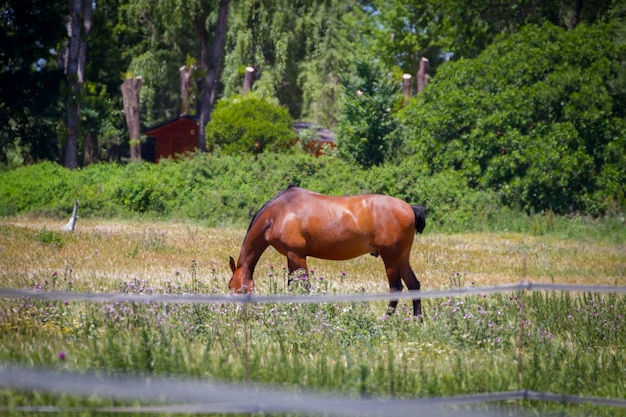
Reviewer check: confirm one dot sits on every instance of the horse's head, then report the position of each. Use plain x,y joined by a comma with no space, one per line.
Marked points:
240,282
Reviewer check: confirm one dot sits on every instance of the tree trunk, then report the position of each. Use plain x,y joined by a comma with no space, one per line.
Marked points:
406,86
422,75
578,7
90,149
185,87
213,72
248,80
78,27
130,94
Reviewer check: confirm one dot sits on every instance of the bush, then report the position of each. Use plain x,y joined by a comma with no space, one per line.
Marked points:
534,118
43,187
249,125
216,191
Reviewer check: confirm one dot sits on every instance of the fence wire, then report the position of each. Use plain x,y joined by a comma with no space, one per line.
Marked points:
201,397
304,299
189,396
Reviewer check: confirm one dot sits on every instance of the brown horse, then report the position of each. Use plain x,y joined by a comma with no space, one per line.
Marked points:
300,223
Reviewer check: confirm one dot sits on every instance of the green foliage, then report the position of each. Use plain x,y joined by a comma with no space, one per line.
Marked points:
249,125
402,32
533,118
47,237
296,48
367,130
216,191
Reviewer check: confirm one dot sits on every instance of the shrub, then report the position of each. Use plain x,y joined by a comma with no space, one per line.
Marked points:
249,125
226,190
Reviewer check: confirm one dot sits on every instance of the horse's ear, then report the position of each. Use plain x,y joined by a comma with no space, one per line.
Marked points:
232,264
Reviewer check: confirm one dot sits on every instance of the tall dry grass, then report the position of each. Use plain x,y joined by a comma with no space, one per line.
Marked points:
101,254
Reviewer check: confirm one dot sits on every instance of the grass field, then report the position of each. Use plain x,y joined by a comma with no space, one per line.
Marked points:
572,343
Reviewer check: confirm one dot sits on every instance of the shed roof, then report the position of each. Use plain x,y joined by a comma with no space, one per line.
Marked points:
180,120
323,134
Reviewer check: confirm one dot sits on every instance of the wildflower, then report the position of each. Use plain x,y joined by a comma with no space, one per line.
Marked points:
62,355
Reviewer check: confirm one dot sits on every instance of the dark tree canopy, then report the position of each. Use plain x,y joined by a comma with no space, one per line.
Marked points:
30,36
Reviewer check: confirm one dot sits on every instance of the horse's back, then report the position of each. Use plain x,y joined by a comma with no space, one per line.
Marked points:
339,227
359,212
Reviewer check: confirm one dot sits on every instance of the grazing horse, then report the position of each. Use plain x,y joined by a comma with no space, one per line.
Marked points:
300,223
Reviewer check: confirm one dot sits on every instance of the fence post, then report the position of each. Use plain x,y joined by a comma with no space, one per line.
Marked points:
520,340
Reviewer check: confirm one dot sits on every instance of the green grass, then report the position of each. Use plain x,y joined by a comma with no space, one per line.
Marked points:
570,343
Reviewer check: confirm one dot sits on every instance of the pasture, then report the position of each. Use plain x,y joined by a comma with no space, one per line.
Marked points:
570,343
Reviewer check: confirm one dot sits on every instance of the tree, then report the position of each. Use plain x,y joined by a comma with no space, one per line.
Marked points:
402,32
211,61
297,48
367,130
30,106
534,118
79,24
161,37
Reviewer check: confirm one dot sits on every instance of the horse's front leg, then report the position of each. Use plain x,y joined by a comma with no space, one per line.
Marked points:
295,262
395,284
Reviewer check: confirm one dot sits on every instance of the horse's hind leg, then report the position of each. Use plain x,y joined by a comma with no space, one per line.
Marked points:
409,278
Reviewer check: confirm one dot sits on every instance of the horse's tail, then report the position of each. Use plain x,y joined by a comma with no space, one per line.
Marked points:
420,218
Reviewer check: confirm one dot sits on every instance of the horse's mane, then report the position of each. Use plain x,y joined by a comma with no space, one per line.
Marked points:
258,213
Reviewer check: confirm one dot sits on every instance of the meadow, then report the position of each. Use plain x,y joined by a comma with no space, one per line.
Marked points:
569,343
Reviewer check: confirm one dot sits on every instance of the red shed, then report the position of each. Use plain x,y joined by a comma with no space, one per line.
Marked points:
176,136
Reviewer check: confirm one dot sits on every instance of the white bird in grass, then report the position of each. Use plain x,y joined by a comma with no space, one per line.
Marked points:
69,227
